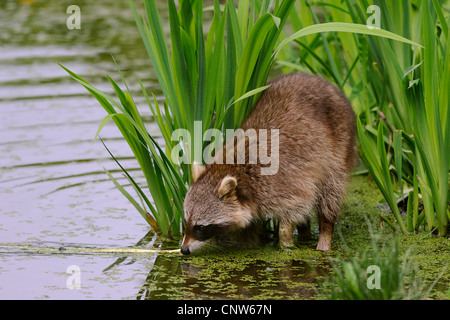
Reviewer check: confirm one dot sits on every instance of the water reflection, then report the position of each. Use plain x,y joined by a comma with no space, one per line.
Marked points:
227,277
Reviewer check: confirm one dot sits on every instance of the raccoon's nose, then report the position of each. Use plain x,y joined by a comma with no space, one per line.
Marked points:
185,250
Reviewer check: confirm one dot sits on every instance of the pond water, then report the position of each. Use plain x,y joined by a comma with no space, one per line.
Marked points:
53,188
54,192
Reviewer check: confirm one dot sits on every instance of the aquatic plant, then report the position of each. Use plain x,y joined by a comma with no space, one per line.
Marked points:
399,92
417,125
377,273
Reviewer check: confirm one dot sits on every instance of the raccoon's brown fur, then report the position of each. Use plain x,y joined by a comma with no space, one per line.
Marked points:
317,151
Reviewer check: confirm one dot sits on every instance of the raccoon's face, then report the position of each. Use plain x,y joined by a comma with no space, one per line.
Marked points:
211,210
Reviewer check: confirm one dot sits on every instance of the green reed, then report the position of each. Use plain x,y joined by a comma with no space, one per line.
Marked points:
376,273
416,119
399,92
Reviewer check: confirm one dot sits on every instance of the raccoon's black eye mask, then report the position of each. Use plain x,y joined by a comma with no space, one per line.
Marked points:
205,232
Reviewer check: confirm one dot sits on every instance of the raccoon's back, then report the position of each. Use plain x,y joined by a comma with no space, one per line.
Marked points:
314,119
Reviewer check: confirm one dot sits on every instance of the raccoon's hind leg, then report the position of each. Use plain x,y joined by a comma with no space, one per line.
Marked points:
329,208
326,228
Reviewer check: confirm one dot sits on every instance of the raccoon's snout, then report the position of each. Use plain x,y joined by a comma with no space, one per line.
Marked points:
190,245
185,250
185,246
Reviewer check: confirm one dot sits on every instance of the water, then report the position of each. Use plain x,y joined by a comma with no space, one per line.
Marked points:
53,188
54,191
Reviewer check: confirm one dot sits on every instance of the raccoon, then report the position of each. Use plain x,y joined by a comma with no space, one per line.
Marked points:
316,152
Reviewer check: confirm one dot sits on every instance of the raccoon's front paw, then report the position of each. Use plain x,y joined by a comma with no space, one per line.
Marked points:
287,246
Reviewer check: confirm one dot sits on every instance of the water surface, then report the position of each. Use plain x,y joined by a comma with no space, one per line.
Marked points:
53,188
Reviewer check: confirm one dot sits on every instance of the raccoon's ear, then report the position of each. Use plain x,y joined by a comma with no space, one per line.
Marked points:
197,170
227,187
